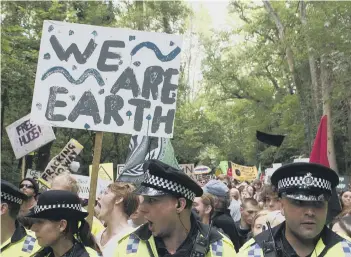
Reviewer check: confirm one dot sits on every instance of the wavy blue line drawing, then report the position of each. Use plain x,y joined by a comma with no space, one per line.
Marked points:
82,78
159,55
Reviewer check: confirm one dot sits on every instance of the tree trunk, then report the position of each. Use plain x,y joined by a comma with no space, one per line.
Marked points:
140,7
296,80
315,89
326,77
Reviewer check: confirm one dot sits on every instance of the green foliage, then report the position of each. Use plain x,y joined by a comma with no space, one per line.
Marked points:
20,39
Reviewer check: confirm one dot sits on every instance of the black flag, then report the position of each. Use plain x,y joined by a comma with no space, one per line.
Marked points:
275,140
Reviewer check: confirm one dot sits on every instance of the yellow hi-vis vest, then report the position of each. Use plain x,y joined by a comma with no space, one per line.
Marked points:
23,243
132,246
334,246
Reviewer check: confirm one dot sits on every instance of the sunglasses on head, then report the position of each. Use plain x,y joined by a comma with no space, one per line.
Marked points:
26,186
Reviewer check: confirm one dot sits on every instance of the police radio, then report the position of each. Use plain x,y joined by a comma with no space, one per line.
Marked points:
270,248
201,245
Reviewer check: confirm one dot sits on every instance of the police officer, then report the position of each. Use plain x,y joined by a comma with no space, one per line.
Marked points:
15,239
305,189
171,228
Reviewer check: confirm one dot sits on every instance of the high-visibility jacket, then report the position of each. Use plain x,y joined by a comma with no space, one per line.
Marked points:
78,250
329,244
135,244
23,243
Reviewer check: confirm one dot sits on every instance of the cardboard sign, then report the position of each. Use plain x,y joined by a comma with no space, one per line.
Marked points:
344,183
244,173
26,136
187,168
61,162
107,79
105,171
34,174
84,186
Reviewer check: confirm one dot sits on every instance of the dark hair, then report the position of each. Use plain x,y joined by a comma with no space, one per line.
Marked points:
268,190
247,201
83,233
14,209
34,183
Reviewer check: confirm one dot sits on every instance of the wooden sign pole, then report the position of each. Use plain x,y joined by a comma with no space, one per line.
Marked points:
23,166
94,176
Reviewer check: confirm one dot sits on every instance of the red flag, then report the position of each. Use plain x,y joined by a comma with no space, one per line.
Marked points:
319,155
319,152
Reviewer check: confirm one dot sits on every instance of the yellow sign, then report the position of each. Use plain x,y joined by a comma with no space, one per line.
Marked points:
244,173
105,171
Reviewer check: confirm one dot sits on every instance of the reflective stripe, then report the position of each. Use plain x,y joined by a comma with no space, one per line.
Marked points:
346,247
217,248
133,243
28,244
254,251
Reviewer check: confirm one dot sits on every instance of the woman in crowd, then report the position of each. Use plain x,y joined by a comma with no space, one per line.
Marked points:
345,198
270,198
116,205
259,222
55,220
204,207
342,226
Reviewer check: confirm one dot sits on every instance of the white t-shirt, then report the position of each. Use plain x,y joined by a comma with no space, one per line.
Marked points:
108,249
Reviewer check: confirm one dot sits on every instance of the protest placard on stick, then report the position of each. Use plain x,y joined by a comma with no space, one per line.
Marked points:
61,162
106,79
94,176
26,136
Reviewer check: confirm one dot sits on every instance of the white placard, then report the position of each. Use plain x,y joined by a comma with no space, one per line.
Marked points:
107,79
34,174
26,136
84,186
187,168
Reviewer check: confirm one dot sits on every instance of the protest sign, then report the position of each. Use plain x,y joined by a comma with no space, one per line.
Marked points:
34,174
187,168
61,162
201,169
84,186
107,79
105,171
344,183
244,173
26,136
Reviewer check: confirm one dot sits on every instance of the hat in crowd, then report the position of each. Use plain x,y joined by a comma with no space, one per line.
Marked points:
162,179
10,193
57,205
216,188
34,183
305,181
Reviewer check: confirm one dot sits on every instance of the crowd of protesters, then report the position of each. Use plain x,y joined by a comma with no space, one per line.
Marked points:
43,226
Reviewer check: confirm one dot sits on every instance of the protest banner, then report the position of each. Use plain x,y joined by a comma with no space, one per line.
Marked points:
84,186
244,173
105,171
143,148
61,162
26,136
107,79
119,169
